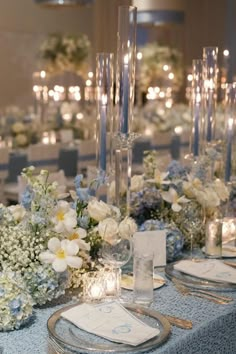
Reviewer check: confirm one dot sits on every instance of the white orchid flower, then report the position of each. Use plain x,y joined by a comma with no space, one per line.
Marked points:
61,254
159,178
78,235
174,199
64,218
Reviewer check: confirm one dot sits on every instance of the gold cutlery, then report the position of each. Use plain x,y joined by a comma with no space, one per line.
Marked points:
218,299
231,264
179,322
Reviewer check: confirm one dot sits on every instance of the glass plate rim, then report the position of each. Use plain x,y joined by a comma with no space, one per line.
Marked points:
123,348
155,277
198,283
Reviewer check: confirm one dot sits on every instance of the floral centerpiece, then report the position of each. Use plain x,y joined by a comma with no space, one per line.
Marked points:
62,53
154,61
48,243
178,199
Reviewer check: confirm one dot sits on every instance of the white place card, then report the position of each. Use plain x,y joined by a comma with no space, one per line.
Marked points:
208,269
111,321
152,241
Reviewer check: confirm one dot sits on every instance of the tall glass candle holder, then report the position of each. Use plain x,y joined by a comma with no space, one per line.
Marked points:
210,55
230,116
197,112
125,69
104,124
125,89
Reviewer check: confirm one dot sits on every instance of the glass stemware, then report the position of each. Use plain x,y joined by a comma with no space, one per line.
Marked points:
115,253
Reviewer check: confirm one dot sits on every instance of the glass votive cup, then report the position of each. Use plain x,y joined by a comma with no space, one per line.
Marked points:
112,281
213,238
93,286
143,278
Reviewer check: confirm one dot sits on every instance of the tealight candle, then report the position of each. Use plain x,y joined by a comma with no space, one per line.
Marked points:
112,282
93,286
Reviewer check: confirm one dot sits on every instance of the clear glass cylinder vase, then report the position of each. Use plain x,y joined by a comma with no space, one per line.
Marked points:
104,122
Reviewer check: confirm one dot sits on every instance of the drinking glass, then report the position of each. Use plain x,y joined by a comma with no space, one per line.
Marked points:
143,278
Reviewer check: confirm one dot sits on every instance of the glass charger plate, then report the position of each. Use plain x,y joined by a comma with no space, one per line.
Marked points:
195,282
226,252
78,341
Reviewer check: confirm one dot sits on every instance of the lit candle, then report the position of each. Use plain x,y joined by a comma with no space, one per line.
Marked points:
196,121
229,139
112,282
93,286
125,101
95,291
103,132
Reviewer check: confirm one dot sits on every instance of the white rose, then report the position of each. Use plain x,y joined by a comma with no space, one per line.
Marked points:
137,183
17,211
221,190
112,189
208,198
98,210
107,229
127,227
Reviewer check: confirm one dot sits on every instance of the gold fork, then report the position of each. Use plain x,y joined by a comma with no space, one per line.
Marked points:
218,299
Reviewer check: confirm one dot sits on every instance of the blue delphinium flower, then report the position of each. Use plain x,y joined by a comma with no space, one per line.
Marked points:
27,198
15,306
83,221
176,170
82,193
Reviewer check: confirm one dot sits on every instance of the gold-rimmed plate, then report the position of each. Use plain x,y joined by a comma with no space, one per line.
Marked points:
127,281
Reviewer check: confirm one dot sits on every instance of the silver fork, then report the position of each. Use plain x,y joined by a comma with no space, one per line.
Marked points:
218,299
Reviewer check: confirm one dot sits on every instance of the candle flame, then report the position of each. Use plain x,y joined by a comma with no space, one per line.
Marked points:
126,59
104,99
230,123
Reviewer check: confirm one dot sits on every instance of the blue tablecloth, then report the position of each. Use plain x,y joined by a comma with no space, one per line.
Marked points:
214,326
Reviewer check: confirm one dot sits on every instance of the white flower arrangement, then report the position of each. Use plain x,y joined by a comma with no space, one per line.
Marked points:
49,243
65,53
154,61
179,197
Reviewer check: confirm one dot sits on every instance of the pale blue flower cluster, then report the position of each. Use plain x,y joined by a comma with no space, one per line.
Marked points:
44,284
16,304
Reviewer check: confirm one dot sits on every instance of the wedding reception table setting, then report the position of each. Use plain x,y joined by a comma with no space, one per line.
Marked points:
120,262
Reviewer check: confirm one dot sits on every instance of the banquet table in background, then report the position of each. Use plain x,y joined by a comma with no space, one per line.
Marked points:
213,326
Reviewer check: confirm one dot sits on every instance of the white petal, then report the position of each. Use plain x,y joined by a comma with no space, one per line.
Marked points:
72,248
59,227
173,193
59,265
47,257
183,200
167,197
54,244
64,244
83,245
74,262
176,207
81,232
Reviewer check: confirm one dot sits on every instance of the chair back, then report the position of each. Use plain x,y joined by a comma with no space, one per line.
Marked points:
44,157
87,155
4,161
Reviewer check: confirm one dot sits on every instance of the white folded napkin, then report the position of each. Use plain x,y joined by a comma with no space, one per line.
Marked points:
211,269
111,321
